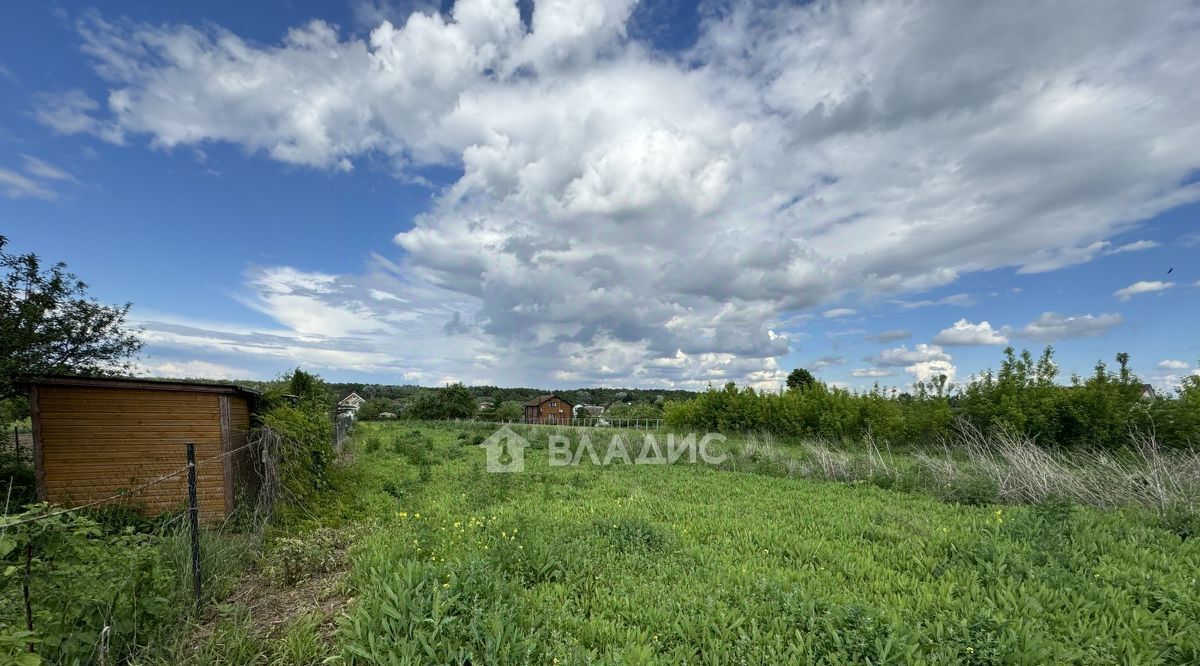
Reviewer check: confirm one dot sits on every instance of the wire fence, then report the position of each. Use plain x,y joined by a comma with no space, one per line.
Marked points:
580,422
17,441
133,544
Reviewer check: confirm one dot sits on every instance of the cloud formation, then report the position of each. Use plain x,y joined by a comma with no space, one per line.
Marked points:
922,362
826,361
36,179
1142,287
1052,326
683,204
964,333
871,372
889,336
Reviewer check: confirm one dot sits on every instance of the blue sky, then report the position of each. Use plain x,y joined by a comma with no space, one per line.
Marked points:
603,192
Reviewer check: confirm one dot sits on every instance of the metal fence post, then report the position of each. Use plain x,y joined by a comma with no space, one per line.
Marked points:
194,511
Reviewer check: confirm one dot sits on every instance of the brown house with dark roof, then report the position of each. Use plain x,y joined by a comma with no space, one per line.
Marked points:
548,409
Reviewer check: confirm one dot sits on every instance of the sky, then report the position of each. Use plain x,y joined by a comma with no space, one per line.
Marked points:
568,193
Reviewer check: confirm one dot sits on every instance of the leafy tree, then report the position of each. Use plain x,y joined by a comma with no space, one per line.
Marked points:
309,388
457,401
426,406
509,410
639,410
49,325
372,408
14,409
800,379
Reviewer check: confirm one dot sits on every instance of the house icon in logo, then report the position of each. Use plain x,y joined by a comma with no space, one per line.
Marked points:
505,451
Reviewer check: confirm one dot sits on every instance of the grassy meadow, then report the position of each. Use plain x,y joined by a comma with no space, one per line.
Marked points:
648,564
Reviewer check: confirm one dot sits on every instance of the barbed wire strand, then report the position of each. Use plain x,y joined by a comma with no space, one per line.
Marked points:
60,512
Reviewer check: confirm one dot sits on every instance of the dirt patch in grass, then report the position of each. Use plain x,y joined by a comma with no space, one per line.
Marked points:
271,606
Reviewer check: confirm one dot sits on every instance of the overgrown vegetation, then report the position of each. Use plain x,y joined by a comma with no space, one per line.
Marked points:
751,563
298,413
1100,411
108,584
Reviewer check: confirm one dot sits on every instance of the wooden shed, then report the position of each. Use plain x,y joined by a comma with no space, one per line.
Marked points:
97,437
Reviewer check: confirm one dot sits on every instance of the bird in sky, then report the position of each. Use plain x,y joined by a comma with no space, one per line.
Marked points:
1170,269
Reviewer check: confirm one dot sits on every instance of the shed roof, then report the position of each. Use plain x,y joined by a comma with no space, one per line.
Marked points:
543,398
138,383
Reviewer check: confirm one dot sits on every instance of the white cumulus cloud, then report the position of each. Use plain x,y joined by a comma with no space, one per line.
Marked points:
1142,287
922,362
964,333
796,156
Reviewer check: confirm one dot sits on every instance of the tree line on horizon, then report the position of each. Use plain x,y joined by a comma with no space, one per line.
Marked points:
1105,409
50,325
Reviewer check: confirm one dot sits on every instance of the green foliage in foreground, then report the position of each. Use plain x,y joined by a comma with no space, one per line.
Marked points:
111,582
101,583
688,564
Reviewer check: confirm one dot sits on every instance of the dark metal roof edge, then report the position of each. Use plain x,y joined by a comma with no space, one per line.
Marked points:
134,383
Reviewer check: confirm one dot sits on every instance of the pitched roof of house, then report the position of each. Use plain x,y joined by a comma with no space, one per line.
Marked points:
543,398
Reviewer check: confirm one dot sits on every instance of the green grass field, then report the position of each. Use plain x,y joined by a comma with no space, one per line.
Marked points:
690,564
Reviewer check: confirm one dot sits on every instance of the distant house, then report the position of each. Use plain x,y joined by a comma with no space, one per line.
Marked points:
588,410
486,406
350,404
548,409
1148,392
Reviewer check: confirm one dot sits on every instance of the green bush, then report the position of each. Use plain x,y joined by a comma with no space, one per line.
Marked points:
81,580
971,491
453,401
290,560
1100,411
18,483
373,408
1181,520
299,412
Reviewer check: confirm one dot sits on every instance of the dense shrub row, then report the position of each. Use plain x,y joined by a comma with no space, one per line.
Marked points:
1023,397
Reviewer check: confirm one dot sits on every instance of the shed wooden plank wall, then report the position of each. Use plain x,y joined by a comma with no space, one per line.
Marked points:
98,442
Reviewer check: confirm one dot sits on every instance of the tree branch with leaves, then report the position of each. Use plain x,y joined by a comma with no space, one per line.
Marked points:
49,324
